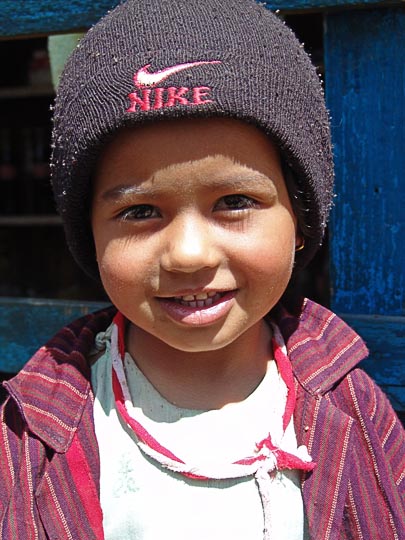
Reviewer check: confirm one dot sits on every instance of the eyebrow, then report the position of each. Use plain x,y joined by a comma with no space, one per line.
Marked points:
236,181
122,191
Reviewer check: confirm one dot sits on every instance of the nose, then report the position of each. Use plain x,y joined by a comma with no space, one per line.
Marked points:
190,245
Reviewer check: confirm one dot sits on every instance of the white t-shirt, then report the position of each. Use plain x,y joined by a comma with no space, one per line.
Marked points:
142,500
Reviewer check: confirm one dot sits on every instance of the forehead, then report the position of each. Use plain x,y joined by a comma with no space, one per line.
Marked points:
144,150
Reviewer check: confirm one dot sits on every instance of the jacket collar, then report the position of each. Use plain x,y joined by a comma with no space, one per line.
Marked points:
52,389
322,348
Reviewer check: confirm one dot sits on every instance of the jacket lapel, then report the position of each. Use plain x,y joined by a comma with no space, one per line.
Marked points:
327,432
322,350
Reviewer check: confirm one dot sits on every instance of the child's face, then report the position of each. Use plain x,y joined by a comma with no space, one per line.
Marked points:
194,231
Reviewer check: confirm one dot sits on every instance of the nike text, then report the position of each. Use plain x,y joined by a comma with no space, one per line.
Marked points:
157,98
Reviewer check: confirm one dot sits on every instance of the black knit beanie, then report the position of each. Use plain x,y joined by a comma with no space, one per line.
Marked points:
153,59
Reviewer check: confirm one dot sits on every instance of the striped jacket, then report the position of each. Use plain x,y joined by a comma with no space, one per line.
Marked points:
49,464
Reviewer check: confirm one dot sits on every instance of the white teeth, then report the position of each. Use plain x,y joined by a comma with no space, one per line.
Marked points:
194,297
188,298
199,300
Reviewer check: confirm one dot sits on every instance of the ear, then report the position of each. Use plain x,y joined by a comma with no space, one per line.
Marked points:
299,241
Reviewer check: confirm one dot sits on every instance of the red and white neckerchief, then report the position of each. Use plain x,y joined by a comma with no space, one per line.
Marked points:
266,461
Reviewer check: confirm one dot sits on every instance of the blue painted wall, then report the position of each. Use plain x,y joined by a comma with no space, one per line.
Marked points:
365,81
365,90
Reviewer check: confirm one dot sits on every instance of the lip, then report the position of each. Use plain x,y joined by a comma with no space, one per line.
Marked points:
198,316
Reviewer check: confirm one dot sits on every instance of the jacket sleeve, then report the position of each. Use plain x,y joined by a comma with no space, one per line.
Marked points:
377,486
381,426
10,451
18,513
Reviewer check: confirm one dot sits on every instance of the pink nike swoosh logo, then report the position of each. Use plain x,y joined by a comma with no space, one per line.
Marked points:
144,78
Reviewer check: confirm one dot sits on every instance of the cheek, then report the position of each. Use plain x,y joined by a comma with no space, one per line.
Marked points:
273,266
119,265
272,252
270,269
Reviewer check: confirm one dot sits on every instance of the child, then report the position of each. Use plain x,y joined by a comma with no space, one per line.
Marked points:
192,168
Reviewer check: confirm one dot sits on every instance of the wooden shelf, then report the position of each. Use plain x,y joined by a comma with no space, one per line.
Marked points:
14,92
30,220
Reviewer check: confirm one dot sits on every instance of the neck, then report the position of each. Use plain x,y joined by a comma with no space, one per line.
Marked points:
204,379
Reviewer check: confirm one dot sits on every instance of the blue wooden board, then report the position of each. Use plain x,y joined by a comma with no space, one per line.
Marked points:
32,17
27,324
365,81
385,338
291,5
19,17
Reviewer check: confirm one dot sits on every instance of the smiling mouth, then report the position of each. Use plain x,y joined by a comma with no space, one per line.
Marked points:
200,309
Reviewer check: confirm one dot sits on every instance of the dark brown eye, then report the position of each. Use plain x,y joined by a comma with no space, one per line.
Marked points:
140,211
235,202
